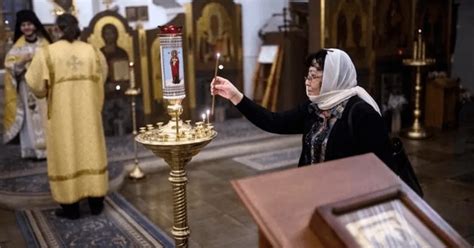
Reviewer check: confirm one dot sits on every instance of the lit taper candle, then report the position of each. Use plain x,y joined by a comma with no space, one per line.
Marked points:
132,75
218,55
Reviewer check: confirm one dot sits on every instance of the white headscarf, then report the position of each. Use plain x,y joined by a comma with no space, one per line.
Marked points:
339,82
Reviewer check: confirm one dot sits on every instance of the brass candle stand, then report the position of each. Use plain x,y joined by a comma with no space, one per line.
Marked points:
177,142
133,92
418,60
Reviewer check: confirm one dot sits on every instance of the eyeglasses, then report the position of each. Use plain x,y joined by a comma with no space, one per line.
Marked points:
309,78
314,76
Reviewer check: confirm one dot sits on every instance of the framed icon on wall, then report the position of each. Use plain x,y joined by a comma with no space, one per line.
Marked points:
131,13
136,13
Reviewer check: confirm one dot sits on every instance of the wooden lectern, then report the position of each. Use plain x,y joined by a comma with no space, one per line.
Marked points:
266,78
442,95
327,205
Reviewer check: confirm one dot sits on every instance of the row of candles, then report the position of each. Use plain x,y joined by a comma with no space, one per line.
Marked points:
206,123
156,133
205,116
419,48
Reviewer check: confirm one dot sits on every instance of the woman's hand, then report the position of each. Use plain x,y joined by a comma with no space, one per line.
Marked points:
223,87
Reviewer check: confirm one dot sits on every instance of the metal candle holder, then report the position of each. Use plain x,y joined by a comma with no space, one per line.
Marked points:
177,142
133,92
418,60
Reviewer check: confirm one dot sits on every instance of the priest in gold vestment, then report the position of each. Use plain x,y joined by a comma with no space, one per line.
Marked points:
71,74
24,114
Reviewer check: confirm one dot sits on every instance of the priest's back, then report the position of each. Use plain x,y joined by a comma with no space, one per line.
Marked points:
71,76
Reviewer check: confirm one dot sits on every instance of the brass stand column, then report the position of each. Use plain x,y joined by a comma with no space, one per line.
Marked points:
177,142
417,131
133,92
418,60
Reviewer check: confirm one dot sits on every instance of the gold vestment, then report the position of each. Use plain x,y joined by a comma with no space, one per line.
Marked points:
71,76
24,114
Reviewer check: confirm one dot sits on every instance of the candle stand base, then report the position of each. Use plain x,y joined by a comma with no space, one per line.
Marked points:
419,133
416,131
177,142
136,173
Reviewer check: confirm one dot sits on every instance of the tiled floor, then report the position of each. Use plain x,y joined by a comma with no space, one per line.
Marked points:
217,218
444,164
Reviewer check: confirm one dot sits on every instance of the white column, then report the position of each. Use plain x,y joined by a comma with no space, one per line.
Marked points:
43,9
254,15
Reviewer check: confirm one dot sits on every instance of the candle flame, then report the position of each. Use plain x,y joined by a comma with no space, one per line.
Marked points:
208,112
218,55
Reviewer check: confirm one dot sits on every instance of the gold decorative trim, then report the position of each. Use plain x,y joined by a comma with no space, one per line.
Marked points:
77,78
78,174
156,70
323,31
142,39
350,10
125,40
224,37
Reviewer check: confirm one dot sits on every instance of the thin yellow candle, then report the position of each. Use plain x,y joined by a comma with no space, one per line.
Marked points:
423,51
177,124
415,50
218,55
418,56
132,75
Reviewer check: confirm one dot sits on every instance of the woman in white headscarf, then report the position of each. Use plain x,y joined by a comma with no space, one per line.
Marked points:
340,119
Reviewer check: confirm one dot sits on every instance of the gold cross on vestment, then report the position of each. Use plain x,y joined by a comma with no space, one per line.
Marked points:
74,62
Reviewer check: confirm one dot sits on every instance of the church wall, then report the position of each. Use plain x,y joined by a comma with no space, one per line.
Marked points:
88,8
254,16
44,11
463,59
156,14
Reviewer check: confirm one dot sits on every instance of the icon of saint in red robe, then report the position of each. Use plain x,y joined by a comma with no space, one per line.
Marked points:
174,62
